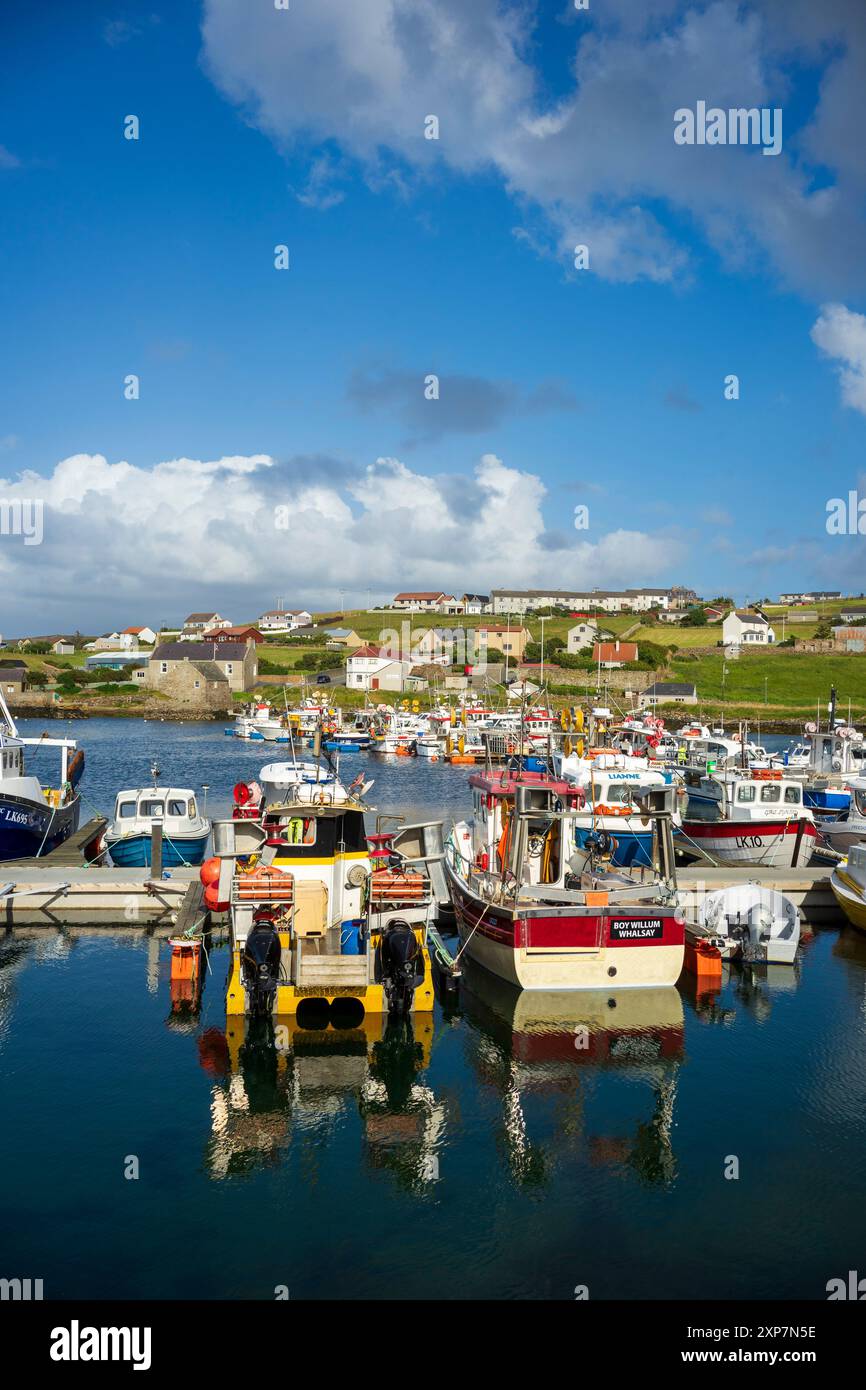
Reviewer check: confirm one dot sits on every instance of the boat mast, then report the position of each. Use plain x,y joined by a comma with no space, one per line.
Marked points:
11,726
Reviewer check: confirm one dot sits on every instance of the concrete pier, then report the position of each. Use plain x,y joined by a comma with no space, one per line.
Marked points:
809,889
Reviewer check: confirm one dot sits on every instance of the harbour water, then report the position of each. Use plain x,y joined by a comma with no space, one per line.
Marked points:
513,1147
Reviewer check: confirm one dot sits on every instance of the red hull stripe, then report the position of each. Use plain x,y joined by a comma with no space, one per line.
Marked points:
730,829
548,932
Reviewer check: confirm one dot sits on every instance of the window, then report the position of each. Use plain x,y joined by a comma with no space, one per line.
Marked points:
229,668
176,808
126,809
745,794
771,794
792,796
196,684
190,809
153,808
163,666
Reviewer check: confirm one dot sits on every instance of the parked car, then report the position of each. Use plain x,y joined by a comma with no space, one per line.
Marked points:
323,680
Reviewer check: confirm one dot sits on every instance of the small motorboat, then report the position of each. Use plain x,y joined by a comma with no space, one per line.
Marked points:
848,881
185,830
753,923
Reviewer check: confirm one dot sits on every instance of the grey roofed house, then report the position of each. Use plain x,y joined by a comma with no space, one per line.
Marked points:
681,692
200,651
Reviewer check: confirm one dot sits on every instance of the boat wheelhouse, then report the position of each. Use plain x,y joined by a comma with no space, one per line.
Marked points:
542,907
757,817
137,810
35,819
320,913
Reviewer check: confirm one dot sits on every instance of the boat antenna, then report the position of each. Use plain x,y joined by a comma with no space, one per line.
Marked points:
154,772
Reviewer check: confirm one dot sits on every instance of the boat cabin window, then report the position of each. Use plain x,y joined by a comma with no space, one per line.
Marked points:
746,793
618,794
190,810
176,807
792,796
153,808
860,802
773,793
126,809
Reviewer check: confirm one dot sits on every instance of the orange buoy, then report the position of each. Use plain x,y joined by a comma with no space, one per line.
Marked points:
212,899
210,871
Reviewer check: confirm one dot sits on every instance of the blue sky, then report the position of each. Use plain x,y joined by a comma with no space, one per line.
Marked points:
411,257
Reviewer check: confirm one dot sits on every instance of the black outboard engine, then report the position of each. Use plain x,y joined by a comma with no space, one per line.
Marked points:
261,964
402,965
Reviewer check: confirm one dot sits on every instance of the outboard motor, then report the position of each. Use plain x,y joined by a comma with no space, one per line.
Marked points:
261,964
402,965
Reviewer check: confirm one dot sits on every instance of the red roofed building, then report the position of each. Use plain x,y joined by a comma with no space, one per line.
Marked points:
233,634
614,654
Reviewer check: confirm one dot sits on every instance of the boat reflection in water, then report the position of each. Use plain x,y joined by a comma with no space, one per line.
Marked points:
540,1043
284,1080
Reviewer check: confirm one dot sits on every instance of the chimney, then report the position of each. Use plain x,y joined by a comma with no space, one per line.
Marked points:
617,644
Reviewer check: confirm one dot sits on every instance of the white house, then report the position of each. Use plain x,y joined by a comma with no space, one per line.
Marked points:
582,636
476,603
284,620
423,601
369,669
748,628
198,623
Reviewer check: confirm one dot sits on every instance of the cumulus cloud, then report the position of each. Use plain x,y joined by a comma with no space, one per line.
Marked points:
841,335
128,544
597,164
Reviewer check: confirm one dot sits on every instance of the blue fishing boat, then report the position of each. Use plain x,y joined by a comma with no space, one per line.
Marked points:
185,831
34,819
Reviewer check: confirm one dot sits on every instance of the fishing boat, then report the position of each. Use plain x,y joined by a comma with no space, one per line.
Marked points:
848,882
606,784
129,834
35,819
356,740
848,828
317,912
543,907
752,817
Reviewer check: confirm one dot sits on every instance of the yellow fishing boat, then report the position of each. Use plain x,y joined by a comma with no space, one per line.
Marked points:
848,881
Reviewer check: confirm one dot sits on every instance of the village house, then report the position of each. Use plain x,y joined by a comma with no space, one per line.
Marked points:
748,628
668,693
598,600
611,655
236,662
13,677
508,638
581,636
284,620
341,638
422,601
196,624
142,635
233,634
850,639
370,668
60,646
476,603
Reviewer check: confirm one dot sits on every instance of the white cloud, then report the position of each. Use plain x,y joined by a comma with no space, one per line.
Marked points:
599,162
158,542
841,335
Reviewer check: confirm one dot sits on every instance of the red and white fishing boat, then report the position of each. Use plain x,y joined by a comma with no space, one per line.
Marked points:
538,908
752,817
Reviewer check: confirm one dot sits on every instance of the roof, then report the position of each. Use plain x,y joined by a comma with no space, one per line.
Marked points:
576,593
751,618
502,627
9,666
200,651
283,612
200,617
226,633
476,598
210,670
422,593
368,650
614,651
671,688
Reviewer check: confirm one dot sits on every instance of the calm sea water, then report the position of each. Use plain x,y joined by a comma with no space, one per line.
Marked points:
511,1147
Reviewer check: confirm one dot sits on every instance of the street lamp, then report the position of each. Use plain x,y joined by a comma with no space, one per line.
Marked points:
542,621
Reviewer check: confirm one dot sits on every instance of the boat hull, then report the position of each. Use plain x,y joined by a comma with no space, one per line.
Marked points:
543,948
849,896
133,851
770,843
30,828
